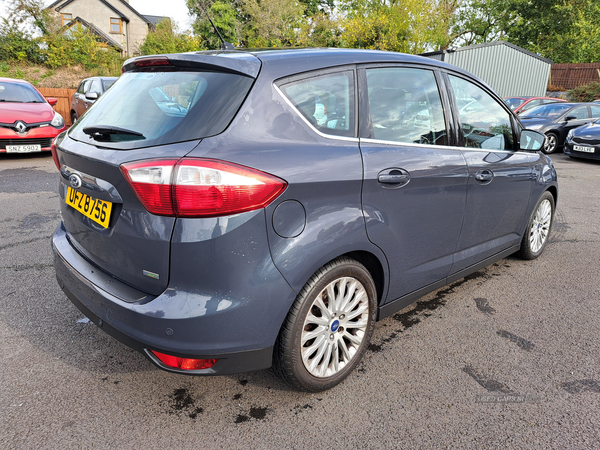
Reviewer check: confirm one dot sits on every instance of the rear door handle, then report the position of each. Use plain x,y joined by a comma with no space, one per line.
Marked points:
394,177
484,176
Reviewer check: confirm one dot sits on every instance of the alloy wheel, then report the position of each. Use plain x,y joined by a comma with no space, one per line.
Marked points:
334,327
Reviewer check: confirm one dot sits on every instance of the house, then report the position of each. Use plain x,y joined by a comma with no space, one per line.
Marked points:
115,22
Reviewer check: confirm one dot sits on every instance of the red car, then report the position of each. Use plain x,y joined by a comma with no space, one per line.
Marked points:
27,121
520,104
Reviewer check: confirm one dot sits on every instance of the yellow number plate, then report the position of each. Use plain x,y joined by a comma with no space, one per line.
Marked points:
97,210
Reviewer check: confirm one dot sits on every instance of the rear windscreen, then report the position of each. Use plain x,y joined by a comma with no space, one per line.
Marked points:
144,109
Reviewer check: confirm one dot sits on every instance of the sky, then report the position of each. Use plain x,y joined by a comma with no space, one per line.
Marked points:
175,9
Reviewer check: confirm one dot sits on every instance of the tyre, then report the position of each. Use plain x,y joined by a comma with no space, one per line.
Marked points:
552,144
73,117
538,229
328,328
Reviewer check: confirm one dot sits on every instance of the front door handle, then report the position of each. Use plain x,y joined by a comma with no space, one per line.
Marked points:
485,176
394,177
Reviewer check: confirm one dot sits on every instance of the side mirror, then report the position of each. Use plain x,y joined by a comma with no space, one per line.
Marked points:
570,118
52,101
531,140
91,96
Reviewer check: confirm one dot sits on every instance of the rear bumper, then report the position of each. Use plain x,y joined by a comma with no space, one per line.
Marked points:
178,323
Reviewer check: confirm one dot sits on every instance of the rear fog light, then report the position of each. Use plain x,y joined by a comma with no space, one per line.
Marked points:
184,363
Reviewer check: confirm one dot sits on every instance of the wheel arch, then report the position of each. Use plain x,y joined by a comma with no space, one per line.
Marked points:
554,191
375,269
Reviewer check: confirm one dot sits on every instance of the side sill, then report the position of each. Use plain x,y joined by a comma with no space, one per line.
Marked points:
400,303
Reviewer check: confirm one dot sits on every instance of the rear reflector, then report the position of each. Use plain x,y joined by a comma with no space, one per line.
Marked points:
194,187
184,363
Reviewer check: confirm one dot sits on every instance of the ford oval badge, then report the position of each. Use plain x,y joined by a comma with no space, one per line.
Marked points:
75,180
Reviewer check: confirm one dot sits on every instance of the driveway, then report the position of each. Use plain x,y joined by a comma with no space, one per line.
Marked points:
507,358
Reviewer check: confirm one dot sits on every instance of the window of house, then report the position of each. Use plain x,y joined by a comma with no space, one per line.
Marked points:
66,18
115,25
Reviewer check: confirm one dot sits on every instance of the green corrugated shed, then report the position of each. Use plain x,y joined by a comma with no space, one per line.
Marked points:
510,70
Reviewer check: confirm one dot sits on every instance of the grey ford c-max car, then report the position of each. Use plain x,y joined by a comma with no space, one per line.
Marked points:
292,199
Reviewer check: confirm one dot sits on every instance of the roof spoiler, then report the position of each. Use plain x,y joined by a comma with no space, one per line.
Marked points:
216,61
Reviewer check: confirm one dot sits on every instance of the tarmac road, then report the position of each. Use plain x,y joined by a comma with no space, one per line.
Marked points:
507,358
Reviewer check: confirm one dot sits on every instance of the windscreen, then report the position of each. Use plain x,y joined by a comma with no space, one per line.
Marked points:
144,109
19,93
514,102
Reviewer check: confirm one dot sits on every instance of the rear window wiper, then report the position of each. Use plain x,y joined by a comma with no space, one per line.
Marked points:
104,133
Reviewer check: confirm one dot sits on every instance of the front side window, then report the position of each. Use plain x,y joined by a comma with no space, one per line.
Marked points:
115,25
95,87
326,101
579,113
484,123
162,108
405,106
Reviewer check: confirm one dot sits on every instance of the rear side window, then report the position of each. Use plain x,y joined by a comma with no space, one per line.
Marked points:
405,106
106,84
326,101
484,123
595,111
157,108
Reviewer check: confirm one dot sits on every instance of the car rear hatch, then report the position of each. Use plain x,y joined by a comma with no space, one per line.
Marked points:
157,112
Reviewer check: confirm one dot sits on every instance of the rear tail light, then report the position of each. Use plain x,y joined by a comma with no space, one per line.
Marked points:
193,187
54,153
184,363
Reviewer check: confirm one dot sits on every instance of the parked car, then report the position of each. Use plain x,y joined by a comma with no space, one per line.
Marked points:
27,121
556,119
520,104
87,93
301,196
584,142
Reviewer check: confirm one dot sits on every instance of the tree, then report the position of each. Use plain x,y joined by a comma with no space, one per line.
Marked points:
271,23
561,30
225,17
165,38
403,26
319,30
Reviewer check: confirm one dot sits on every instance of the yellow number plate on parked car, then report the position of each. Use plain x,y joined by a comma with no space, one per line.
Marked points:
97,210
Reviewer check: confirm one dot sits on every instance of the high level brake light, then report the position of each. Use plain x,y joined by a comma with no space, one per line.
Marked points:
193,187
153,61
